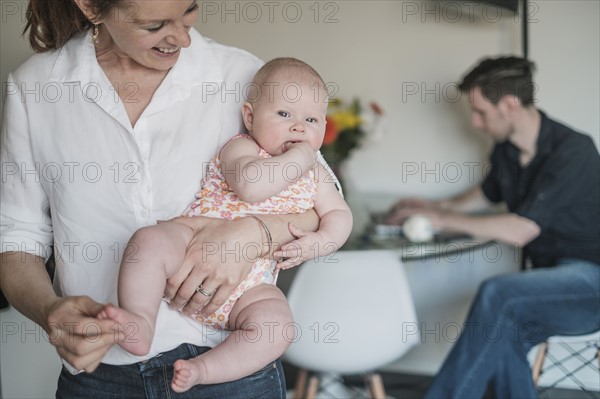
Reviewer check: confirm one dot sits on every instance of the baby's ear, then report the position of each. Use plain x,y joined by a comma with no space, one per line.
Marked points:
248,115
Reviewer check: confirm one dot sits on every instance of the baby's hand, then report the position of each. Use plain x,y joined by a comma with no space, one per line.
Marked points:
308,156
305,247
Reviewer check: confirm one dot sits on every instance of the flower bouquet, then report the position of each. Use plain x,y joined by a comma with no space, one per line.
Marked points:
347,127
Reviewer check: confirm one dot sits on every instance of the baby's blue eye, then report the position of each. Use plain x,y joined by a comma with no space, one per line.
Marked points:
284,114
311,120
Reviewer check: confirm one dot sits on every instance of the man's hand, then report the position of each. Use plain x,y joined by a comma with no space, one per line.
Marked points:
218,258
408,207
79,337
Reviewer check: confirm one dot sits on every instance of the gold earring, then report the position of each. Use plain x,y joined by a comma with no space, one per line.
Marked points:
96,34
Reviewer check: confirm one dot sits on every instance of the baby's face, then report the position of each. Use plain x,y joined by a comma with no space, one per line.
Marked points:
287,113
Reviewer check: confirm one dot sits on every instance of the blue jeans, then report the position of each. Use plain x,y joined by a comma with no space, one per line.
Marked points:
152,379
510,315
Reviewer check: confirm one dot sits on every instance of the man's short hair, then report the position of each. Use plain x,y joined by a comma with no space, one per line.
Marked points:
498,77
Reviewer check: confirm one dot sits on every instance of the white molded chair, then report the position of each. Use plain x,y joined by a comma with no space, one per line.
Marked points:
568,362
354,313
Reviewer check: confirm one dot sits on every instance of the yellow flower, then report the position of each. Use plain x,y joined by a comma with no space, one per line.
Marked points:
346,120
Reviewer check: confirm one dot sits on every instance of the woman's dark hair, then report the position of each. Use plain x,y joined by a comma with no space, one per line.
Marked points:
498,77
51,23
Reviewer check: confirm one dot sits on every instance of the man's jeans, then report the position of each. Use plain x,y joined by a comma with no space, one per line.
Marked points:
510,315
152,380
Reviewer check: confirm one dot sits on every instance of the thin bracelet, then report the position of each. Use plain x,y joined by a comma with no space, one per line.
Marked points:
267,232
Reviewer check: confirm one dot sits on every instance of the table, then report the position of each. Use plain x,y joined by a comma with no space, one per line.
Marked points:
443,245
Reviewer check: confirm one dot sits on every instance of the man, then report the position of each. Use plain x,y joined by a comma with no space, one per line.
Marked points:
548,176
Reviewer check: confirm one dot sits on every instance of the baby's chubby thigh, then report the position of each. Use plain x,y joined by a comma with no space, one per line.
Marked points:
265,315
164,243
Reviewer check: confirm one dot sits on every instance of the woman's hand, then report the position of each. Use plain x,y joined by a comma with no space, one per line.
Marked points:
308,245
79,337
218,258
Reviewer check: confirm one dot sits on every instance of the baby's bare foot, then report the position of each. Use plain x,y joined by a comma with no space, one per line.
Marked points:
138,332
108,313
188,373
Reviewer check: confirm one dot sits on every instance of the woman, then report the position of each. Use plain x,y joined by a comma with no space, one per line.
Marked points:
107,129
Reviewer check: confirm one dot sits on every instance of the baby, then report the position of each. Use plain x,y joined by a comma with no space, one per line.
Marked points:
272,170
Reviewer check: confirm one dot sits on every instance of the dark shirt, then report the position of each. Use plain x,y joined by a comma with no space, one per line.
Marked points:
559,190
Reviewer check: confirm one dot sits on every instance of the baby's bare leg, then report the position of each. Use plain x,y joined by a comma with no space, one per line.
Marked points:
153,254
261,318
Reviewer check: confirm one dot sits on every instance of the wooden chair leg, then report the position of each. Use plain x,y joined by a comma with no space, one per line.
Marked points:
300,384
376,388
313,387
539,362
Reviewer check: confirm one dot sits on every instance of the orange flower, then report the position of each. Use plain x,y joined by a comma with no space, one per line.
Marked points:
376,108
331,131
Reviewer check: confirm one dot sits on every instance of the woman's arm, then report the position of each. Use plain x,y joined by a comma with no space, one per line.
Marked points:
255,179
26,284
221,254
70,322
78,337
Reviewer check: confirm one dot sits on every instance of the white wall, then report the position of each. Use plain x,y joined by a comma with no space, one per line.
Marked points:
29,365
564,43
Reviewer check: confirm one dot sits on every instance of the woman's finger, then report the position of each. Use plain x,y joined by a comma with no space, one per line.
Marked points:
192,273
198,301
296,232
289,263
291,252
217,300
87,362
175,281
187,290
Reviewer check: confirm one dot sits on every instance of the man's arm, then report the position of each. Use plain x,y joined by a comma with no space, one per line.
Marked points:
453,215
472,200
506,227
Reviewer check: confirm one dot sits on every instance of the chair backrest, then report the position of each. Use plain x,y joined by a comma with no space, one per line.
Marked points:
570,362
353,312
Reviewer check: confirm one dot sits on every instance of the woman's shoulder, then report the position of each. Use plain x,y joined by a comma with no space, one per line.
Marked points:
39,67
230,59
227,53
